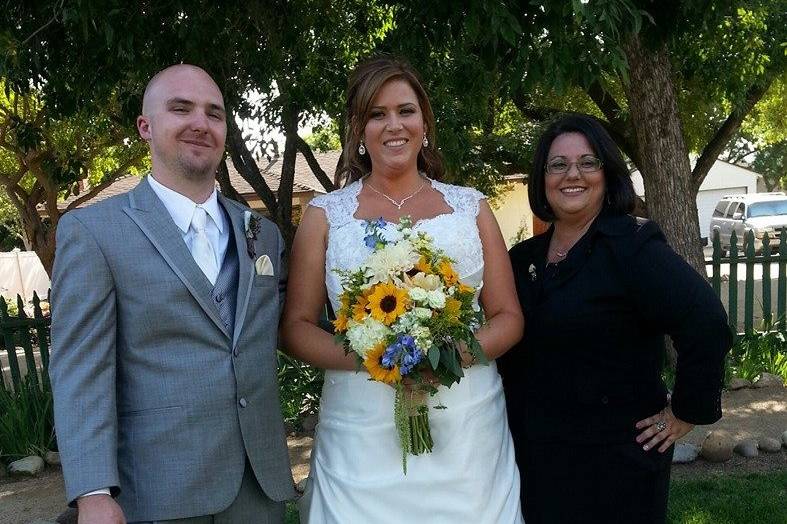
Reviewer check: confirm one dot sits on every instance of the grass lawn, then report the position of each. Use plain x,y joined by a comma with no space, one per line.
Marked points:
760,498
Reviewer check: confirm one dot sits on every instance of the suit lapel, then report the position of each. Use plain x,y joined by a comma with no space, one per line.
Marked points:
153,219
245,264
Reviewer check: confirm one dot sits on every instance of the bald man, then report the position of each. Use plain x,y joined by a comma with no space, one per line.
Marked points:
165,307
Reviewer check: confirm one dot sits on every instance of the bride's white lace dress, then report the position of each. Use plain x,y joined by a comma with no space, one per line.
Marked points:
356,466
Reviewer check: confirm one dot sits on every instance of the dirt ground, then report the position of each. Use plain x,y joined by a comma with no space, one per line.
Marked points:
748,413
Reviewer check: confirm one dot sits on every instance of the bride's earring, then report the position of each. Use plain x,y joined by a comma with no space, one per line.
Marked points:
361,148
426,141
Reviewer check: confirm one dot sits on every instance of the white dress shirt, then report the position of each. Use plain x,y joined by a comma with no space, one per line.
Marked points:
181,209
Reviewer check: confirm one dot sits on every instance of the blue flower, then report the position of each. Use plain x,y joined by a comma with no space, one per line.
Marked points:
409,355
370,241
390,355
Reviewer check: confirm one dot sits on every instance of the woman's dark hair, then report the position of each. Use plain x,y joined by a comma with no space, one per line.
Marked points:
365,82
620,197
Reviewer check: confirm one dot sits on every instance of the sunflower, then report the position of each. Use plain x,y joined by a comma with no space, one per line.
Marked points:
380,373
423,266
387,302
446,271
452,310
340,324
359,309
345,300
464,288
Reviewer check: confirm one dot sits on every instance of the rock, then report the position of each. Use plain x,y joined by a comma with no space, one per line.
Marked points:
69,516
300,487
784,439
28,466
685,453
738,383
747,448
717,446
770,445
52,458
309,422
768,380
3,473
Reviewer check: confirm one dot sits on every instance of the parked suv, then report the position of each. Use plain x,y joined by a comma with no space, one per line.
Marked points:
758,212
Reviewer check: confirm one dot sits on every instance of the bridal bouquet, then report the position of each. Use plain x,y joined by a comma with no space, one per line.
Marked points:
407,318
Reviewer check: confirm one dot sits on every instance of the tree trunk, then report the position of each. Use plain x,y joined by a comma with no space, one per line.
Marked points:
284,216
40,234
663,155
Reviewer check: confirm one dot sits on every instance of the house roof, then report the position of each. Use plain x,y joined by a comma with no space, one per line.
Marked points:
305,181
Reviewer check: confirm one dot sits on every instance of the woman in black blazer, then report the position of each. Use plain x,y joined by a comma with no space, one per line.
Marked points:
592,421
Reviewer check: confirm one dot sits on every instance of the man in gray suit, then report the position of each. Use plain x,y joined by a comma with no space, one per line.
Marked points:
166,302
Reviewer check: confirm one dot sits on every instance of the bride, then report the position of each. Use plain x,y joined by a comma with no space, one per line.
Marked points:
356,467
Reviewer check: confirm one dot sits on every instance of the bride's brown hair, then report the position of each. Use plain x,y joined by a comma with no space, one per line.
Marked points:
365,82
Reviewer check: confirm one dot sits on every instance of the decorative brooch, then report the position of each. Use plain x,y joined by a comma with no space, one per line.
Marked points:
251,226
532,271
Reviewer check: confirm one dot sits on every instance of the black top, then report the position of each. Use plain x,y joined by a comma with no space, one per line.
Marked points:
589,364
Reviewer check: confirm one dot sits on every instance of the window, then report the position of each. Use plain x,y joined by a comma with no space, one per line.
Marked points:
731,210
763,209
721,207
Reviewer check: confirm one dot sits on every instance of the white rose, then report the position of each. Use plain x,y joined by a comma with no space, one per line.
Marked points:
423,313
427,282
436,299
418,294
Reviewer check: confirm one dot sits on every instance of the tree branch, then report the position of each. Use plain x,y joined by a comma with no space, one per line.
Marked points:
307,153
724,133
617,125
223,176
246,166
108,181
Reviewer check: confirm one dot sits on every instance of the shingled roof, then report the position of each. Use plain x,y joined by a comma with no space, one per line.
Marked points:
305,181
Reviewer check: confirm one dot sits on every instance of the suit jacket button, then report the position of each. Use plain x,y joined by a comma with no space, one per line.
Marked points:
242,402
218,298
604,400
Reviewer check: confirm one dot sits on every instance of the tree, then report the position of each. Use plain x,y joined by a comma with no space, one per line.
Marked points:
667,78
44,158
279,62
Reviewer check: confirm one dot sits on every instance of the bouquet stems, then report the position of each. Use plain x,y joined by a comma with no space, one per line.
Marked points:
411,415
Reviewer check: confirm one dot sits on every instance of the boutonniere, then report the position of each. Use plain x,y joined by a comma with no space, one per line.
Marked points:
251,228
532,271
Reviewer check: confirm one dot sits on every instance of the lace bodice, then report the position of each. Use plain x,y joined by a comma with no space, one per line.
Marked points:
456,233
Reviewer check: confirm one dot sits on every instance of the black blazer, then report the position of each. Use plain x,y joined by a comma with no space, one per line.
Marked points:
589,364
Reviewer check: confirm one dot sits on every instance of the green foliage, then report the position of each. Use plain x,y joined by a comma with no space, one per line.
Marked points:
300,386
756,353
729,499
324,137
26,421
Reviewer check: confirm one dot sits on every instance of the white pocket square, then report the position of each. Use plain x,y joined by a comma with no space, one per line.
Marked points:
264,266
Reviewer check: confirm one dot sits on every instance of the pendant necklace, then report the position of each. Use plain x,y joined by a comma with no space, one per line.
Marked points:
397,203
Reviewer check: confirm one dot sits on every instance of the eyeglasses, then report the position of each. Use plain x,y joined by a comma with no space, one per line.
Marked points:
586,164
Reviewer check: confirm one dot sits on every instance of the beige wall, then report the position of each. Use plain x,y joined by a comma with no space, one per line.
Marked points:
512,211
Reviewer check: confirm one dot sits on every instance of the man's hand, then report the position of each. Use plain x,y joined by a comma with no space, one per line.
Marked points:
100,509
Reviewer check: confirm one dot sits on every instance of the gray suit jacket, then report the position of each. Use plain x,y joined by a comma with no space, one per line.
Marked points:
153,397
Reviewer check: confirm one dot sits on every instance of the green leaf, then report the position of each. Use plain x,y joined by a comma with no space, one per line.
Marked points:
434,356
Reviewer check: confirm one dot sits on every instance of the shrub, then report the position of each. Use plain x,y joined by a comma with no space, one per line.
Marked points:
300,386
26,420
755,353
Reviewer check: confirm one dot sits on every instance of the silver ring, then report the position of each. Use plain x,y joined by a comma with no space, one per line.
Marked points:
661,426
